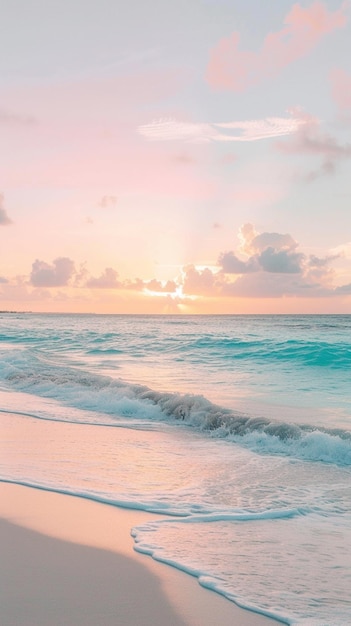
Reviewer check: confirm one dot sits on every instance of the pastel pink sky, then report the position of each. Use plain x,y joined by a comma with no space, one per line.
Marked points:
231,68
138,175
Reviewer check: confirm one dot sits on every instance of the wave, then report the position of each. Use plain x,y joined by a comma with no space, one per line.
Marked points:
260,434
308,353
117,398
314,347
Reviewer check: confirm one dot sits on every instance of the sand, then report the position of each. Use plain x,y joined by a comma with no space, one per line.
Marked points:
67,561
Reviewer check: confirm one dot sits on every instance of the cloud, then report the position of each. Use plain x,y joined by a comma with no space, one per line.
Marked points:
318,270
56,275
206,283
276,241
273,268
81,275
200,282
18,290
157,286
107,202
271,285
311,140
231,264
270,260
341,89
4,218
344,290
282,262
266,265
252,242
260,284
233,69
343,250
107,280
170,129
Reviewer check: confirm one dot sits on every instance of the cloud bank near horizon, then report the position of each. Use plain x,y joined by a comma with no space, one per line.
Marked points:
264,265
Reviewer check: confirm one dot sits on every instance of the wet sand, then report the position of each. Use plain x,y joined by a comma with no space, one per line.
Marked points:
68,561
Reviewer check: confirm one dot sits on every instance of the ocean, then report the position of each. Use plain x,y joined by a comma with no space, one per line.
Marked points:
235,430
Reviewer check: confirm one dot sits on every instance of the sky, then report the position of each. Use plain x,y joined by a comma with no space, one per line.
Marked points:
187,157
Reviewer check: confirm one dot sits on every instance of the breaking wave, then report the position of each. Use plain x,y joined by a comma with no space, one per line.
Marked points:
30,372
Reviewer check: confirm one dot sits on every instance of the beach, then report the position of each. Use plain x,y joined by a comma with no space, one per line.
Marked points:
203,465
68,561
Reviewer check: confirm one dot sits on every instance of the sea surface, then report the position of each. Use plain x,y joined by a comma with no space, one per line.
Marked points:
236,430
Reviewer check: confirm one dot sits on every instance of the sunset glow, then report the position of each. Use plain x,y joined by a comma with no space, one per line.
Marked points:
176,158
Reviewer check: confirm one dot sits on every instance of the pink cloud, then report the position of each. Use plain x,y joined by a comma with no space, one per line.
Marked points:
341,88
156,286
234,69
107,280
200,282
272,267
56,275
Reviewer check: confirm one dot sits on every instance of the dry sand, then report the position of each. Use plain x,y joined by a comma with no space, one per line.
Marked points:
66,561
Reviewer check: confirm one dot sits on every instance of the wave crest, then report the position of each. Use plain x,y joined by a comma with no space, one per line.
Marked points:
119,398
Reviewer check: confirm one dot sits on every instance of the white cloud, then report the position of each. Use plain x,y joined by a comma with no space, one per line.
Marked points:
170,129
343,250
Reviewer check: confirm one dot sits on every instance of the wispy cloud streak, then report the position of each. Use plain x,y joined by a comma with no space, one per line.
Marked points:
170,129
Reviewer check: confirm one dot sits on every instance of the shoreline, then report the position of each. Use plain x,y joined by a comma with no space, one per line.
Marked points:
83,551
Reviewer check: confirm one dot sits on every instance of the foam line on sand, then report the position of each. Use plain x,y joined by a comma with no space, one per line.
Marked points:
67,561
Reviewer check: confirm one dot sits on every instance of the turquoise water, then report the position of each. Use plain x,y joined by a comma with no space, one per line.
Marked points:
238,428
